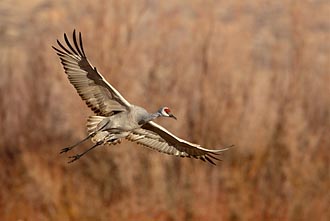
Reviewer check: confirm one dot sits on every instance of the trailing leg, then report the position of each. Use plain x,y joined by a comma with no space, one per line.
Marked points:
76,157
95,124
64,150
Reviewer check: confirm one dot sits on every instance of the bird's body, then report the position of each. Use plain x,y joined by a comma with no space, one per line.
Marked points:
119,125
126,121
115,117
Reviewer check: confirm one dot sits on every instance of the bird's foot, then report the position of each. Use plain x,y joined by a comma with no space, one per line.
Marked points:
64,150
74,158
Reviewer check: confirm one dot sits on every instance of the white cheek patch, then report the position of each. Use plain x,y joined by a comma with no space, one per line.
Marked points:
164,113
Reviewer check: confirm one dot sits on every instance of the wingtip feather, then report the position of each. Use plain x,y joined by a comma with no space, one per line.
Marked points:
209,160
81,44
74,36
69,44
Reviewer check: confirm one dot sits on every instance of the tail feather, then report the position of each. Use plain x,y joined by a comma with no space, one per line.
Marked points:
92,123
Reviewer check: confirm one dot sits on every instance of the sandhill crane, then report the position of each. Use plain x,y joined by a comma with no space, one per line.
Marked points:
115,117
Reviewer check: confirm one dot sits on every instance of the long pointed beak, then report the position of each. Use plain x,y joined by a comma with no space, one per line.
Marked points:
172,116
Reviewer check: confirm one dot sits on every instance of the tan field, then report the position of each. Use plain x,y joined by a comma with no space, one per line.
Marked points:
255,74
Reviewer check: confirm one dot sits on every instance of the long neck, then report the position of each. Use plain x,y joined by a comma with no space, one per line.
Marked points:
150,117
153,116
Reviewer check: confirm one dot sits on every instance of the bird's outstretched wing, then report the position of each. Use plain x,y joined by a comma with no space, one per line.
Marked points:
98,94
158,138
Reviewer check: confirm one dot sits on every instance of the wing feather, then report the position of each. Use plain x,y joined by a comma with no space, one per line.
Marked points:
98,94
156,137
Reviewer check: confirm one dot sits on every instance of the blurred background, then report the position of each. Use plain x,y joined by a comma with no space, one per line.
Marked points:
255,74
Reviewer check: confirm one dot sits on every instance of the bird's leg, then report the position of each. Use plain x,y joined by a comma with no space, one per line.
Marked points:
76,157
99,128
64,150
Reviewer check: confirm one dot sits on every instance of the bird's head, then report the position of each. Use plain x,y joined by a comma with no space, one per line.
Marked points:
166,112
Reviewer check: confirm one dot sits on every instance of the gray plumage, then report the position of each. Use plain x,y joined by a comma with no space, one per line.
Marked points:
115,117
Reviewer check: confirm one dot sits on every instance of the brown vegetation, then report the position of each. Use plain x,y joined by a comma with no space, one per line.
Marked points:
251,73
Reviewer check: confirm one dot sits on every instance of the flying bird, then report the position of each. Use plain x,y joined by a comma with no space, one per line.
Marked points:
115,117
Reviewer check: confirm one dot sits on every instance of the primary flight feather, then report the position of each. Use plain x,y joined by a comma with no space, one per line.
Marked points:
115,117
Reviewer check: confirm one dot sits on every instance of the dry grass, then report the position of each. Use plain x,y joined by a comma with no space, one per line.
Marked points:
255,74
